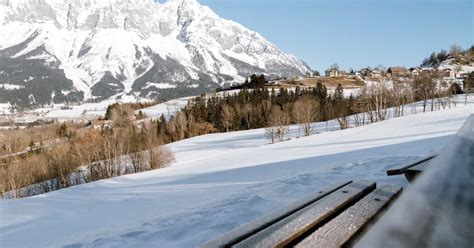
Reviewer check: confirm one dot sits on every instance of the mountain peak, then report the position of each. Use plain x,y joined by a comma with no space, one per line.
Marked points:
111,48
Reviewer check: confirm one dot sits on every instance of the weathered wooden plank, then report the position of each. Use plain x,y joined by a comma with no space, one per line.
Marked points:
288,230
259,224
438,209
413,172
418,168
342,228
404,168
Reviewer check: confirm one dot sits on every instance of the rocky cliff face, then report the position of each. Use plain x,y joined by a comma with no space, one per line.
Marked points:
98,49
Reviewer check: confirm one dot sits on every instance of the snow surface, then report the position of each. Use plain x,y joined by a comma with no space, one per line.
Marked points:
451,64
89,111
82,112
221,181
170,107
167,108
11,86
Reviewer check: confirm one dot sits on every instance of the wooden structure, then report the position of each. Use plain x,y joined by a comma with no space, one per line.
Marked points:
437,210
398,71
332,217
332,72
413,169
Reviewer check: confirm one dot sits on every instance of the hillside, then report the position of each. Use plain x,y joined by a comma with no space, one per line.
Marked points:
220,181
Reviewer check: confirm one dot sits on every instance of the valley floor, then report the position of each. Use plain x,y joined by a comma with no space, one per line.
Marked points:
219,182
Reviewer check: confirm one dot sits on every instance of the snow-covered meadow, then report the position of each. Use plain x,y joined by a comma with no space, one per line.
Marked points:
170,107
220,181
89,111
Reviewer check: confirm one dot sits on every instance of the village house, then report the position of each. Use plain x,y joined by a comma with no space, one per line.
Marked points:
365,72
332,72
415,71
448,72
377,73
398,71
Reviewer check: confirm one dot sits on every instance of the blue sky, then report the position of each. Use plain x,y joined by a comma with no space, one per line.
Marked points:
355,34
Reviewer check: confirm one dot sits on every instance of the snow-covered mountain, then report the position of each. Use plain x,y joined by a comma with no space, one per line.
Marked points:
97,49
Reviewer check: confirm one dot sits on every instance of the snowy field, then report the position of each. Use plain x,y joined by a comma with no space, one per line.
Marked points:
167,108
170,107
89,111
59,112
219,182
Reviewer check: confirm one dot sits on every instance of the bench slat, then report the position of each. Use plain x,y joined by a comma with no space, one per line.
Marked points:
259,224
403,169
412,173
340,229
291,228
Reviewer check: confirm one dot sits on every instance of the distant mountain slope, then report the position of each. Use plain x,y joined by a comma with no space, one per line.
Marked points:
129,47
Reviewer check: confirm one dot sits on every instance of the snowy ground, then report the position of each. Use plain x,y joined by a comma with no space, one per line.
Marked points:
167,108
219,182
88,111
60,112
170,107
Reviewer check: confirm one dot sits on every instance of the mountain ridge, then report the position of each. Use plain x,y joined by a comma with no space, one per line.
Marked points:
131,48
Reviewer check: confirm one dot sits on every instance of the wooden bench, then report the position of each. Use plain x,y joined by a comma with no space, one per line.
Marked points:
332,217
413,169
437,210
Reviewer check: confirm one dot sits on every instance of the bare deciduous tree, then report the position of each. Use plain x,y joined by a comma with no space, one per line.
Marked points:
305,111
226,116
423,87
279,120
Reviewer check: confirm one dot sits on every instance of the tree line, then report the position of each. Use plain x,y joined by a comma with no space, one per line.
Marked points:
258,106
254,106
